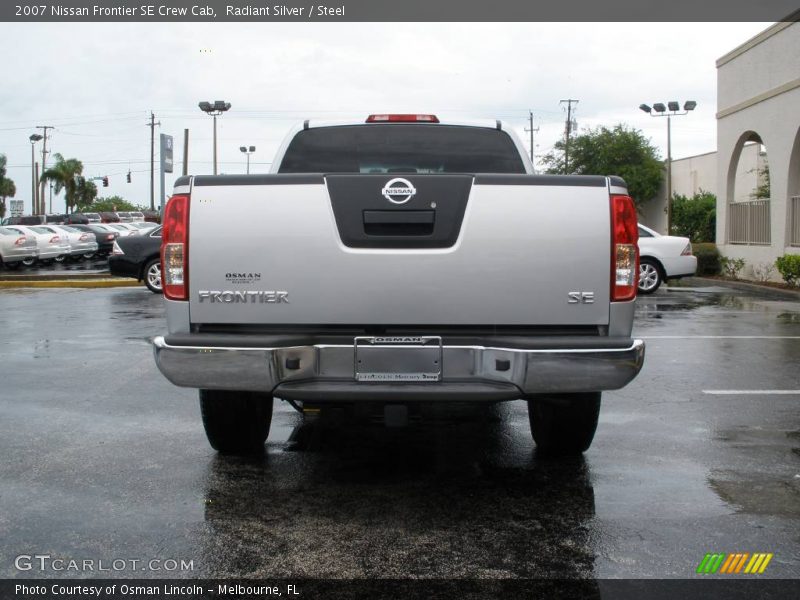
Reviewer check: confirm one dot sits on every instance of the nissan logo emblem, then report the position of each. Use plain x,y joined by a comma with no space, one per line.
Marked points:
398,190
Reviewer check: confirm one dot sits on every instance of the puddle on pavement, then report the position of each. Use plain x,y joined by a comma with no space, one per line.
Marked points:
770,490
758,494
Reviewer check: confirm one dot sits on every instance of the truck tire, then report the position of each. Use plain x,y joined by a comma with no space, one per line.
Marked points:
236,422
564,424
650,276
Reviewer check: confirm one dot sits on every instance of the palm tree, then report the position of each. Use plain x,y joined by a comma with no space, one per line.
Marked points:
85,193
7,187
65,175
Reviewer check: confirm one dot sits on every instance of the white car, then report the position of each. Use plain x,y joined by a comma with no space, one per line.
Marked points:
125,229
663,257
143,226
81,243
16,247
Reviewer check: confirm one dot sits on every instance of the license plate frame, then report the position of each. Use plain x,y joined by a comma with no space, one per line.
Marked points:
398,359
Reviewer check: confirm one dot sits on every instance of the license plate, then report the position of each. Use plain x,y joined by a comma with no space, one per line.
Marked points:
398,358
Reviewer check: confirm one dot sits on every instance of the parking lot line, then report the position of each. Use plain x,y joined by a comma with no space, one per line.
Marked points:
752,392
719,337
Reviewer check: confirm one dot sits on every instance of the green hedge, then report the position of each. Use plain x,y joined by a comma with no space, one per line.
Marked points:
708,259
789,267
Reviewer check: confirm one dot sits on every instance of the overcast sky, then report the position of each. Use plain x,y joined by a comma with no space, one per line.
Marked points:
96,83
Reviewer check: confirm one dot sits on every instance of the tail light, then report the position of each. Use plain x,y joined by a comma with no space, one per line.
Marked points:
175,248
111,236
624,249
402,119
20,241
84,237
55,239
688,250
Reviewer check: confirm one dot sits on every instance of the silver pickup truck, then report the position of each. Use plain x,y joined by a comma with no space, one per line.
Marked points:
397,261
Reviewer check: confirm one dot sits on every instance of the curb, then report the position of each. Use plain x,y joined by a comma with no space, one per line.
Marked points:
70,283
741,285
54,276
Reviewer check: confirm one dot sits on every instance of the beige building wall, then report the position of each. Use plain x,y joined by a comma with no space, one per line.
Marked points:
759,101
694,174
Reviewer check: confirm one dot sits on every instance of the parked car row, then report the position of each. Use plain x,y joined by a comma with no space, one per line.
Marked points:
152,217
47,243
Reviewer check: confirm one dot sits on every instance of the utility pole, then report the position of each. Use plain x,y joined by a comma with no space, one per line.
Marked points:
567,131
152,125
532,131
185,152
44,128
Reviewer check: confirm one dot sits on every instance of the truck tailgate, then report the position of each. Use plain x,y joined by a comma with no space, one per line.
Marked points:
344,253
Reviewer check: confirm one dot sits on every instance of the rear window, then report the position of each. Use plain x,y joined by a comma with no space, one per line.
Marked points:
407,148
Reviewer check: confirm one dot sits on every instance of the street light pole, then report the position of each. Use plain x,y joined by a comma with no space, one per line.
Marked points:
215,109
672,109
247,151
34,187
215,144
669,175
44,129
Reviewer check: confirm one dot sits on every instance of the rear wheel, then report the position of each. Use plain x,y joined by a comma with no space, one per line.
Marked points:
89,255
28,262
236,422
564,424
650,276
152,276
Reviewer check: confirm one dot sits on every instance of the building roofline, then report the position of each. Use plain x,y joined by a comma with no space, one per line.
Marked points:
674,160
754,41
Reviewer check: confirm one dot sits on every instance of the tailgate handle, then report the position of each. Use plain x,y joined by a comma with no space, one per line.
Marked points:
399,223
398,217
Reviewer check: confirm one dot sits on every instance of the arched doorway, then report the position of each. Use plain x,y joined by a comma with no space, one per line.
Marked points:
793,194
749,192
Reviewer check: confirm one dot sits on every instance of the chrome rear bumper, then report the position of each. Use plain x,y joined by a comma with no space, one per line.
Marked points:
322,372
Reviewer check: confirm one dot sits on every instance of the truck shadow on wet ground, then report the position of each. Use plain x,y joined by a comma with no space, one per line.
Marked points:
448,498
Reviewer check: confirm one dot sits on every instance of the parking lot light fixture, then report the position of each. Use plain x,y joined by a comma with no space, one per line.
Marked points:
247,150
660,110
215,109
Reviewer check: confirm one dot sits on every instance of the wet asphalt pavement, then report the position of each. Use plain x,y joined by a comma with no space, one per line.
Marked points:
102,458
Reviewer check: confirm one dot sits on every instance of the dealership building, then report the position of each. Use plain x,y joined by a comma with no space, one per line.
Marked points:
755,172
